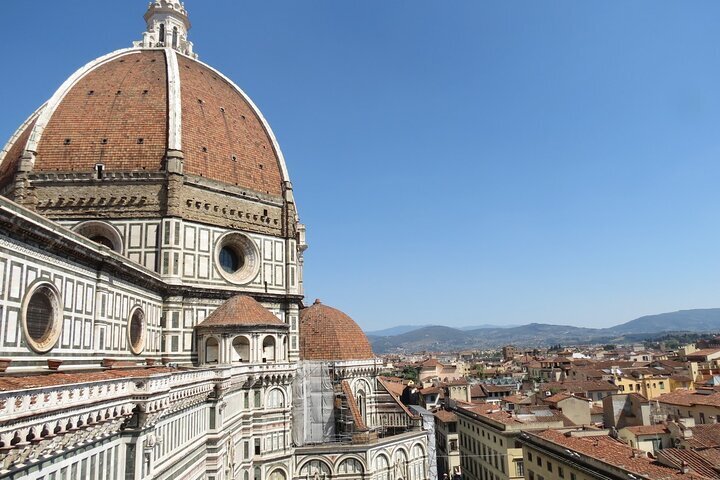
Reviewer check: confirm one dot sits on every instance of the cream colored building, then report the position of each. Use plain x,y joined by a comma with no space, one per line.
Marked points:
586,455
448,443
488,436
701,407
648,438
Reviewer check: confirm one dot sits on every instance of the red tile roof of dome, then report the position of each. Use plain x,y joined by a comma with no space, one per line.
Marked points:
119,111
241,310
103,116
329,334
218,119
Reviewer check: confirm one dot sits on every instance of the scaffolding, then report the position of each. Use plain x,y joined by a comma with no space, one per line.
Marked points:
313,404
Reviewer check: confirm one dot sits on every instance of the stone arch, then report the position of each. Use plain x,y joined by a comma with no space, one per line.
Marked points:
278,473
269,347
212,350
313,466
381,465
418,445
362,391
102,233
241,349
417,466
348,464
400,463
275,398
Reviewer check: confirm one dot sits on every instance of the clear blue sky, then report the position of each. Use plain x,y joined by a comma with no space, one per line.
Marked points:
459,162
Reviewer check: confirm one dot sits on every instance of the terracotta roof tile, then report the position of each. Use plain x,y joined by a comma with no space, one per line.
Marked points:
240,310
117,114
329,334
687,398
12,383
352,404
219,124
697,463
445,416
579,386
395,393
613,453
104,126
705,436
657,429
704,353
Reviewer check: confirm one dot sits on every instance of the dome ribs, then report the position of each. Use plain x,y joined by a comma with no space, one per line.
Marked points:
128,102
236,141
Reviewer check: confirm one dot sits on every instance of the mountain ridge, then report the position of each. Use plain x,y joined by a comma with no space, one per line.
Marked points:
443,338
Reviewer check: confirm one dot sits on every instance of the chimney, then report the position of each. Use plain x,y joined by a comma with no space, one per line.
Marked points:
684,467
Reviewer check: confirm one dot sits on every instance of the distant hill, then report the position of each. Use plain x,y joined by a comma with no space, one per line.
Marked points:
426,338
399,330
697,320
487,325
440,338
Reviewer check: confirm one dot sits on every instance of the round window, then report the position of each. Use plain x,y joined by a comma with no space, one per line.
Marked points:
42,317
237,258
231,260
136,331
102,233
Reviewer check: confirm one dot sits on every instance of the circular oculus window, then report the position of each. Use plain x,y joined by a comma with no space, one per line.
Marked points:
136,330
237,258
42,316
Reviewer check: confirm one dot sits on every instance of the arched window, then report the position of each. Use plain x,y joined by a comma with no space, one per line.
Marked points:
401,464
361,404
277,474
417,465
175,37
211,350
161,37
101,233
382,468
268,349
350,465
241,349
315,469
275,398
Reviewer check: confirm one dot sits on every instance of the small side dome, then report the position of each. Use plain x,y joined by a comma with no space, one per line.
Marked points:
329,334
241,310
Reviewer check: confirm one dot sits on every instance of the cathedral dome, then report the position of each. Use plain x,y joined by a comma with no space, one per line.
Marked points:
130,110
329,334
